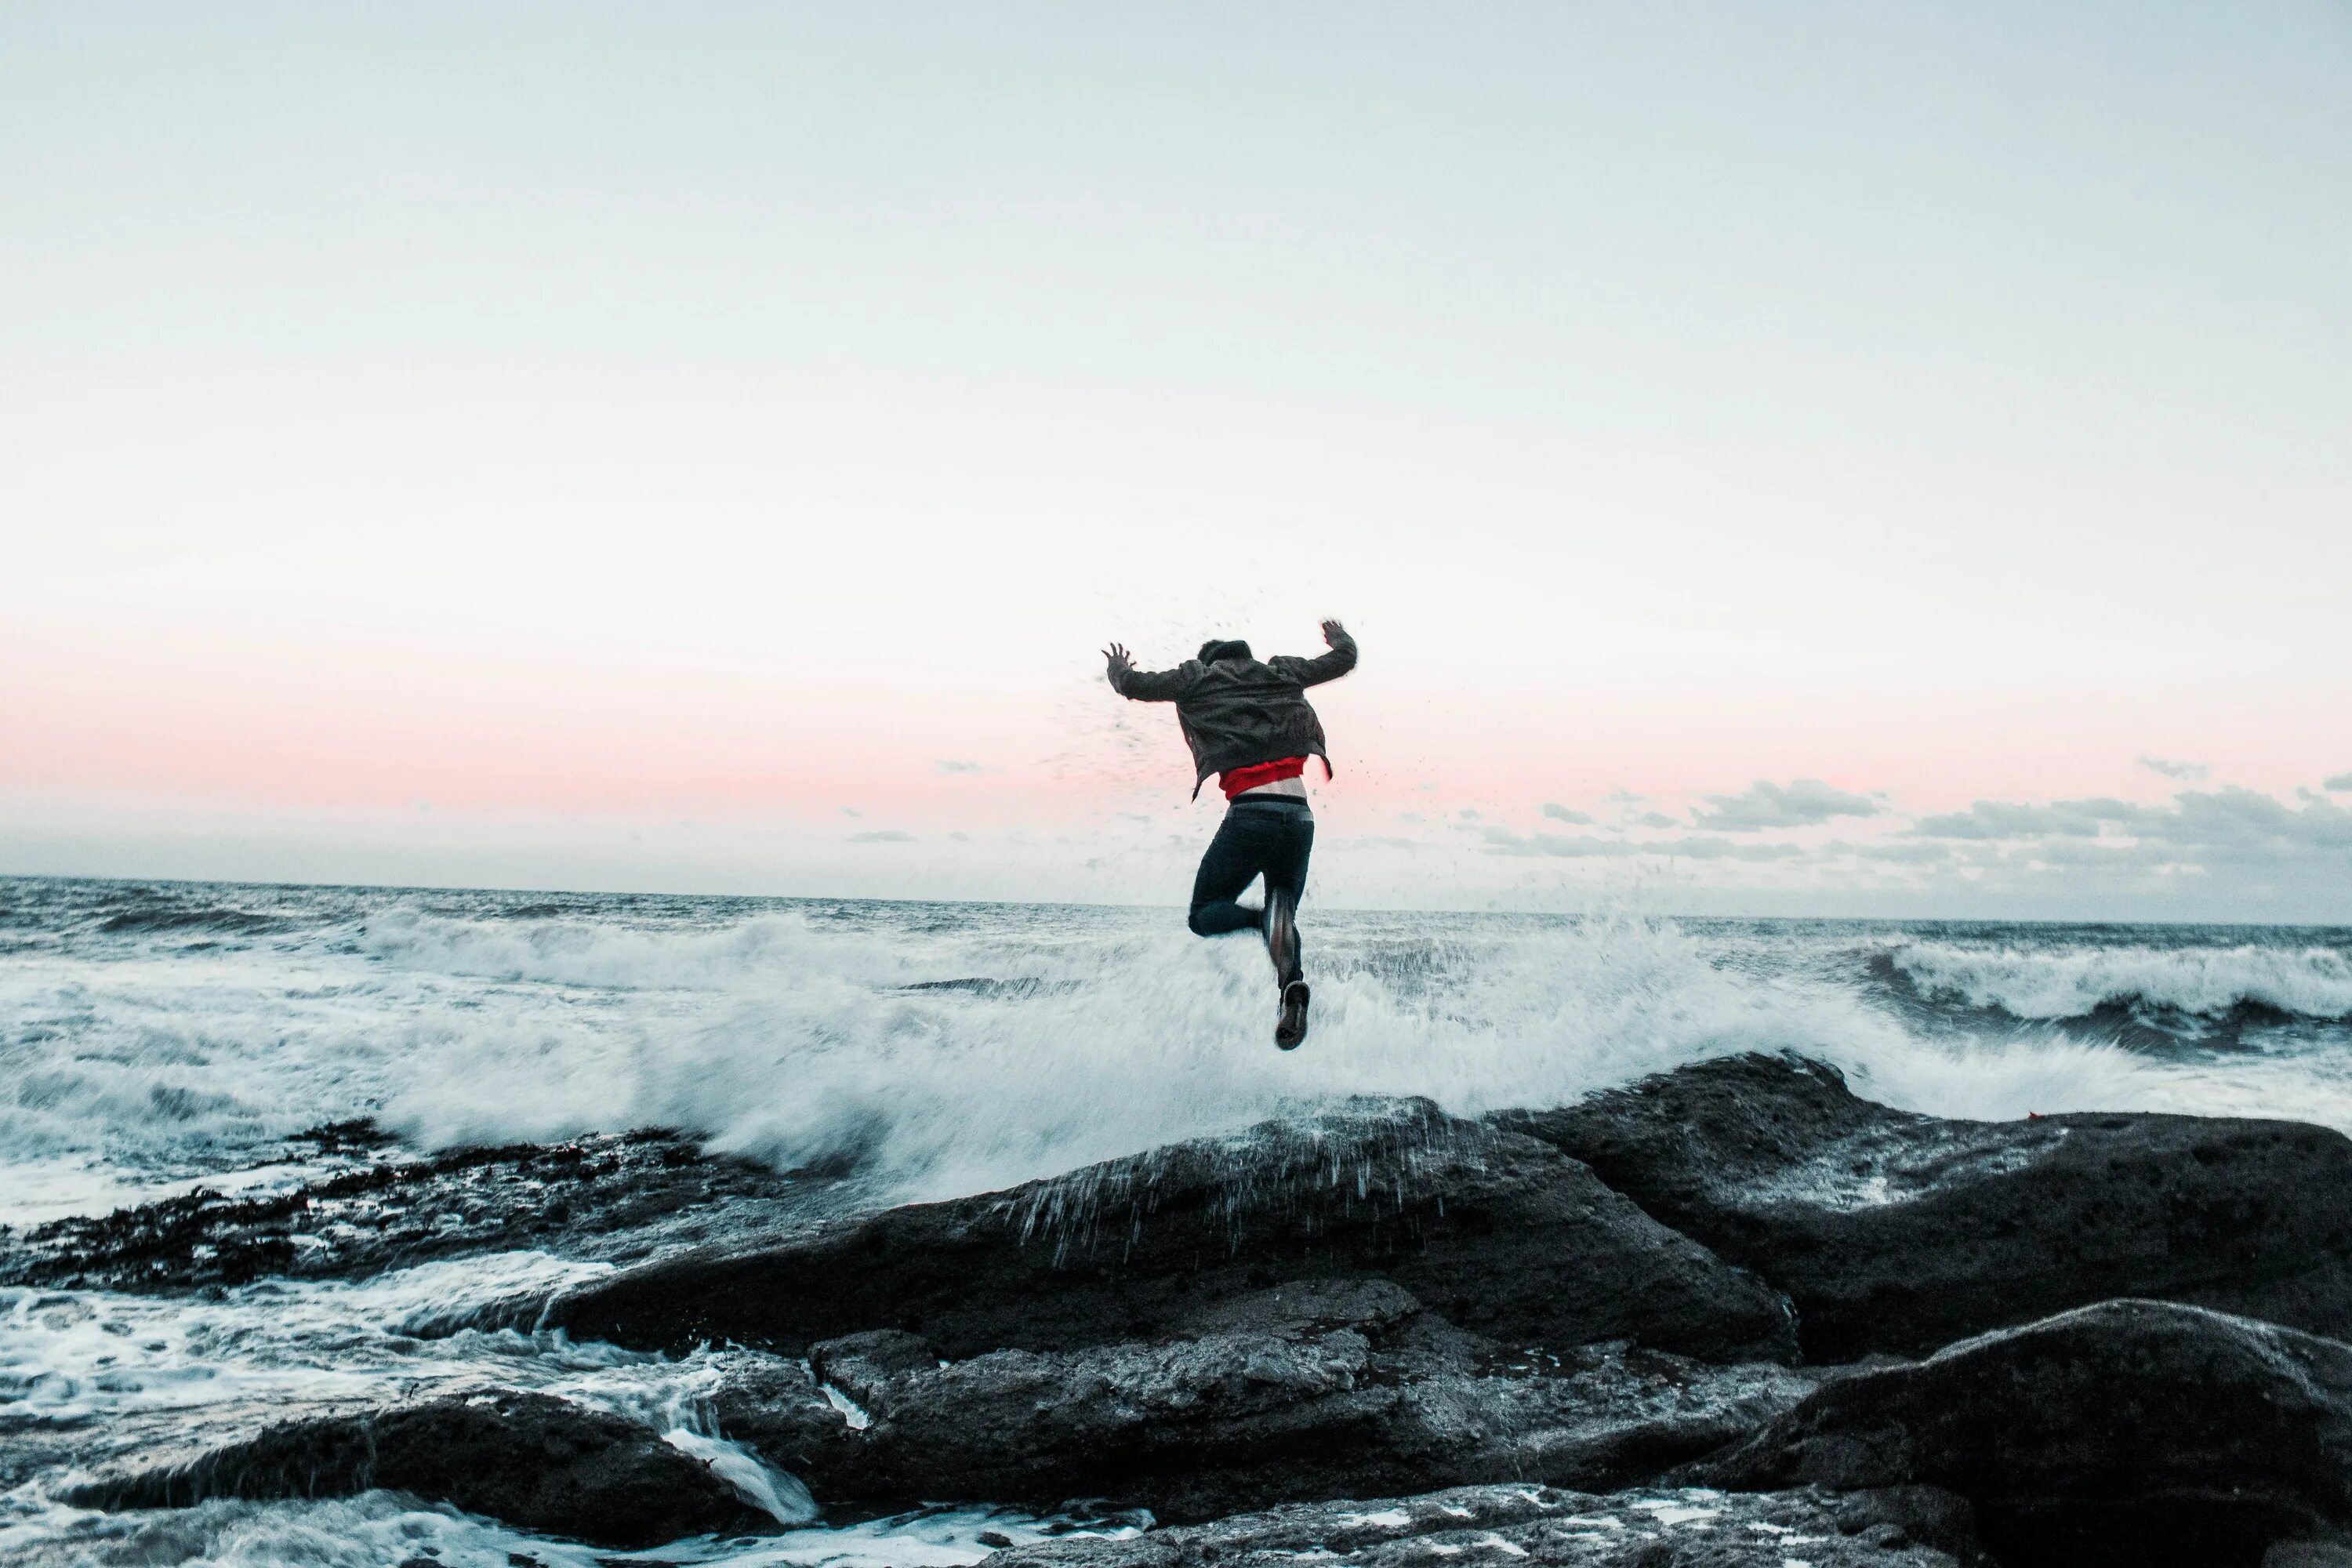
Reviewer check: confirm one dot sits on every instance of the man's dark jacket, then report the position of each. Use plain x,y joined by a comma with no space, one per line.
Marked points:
1235,710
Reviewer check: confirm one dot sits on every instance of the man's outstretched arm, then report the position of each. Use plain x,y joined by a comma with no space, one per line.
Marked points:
1323,666
1145,685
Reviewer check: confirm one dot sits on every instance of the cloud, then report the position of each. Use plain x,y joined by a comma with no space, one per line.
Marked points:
1804,803
2341,783
1990,819
851,811
949,765
1577,846
2243,819
2225,850
882,836
1724,849
1467,814
2188,772
2232,823
1560,813
1586,846
1899,851
961,837
1654,819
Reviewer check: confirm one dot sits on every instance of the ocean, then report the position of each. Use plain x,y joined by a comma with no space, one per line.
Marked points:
157,1039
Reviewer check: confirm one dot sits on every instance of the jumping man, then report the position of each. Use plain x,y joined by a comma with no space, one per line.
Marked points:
1250,724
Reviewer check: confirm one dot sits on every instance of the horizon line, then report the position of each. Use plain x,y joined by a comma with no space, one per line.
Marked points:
1090,904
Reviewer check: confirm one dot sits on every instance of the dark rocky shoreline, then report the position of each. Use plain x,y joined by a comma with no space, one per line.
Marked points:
616,1197
1732,1315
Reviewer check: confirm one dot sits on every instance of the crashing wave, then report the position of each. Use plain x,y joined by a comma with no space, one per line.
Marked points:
946,1049
837,1046
2081,983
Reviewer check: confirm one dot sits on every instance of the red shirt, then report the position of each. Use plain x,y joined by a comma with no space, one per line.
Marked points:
1235,780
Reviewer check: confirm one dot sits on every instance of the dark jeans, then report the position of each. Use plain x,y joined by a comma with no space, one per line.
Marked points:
1258,838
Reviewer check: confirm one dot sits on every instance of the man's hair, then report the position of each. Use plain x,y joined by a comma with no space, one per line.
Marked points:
1216,648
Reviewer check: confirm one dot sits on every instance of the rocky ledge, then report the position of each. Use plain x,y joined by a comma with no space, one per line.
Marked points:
1541,1526
2129,1431
531,1460
1715,1282
614,1197
1499,1231
1330,1389
1896,1232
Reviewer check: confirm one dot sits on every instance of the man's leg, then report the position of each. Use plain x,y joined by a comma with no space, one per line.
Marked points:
1234,858
1286,880
1286,883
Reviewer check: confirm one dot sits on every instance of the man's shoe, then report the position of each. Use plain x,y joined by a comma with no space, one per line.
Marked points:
1292,1029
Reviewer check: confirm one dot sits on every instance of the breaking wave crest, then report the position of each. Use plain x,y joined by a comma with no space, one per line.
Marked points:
949,1049
955,1062
2314,982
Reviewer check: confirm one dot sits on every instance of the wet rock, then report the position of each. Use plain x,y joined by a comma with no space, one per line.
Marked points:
1321,1390
1899,1233
859,1361
2308,1555
1203,1428
1498,1231
1525,1527
533,1461
2125,1432
778,1410
1374,1306
614,1197
32,1441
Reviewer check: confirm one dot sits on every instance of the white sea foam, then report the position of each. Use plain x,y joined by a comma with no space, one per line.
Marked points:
285,1347
800,1045
379,1528
109,1380
146,1380
2076,981
125,1381
780,1496
845,1038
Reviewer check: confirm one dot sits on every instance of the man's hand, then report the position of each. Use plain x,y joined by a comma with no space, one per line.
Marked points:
1119,662
1332,632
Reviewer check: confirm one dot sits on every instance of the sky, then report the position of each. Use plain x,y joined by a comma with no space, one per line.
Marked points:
1866,458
